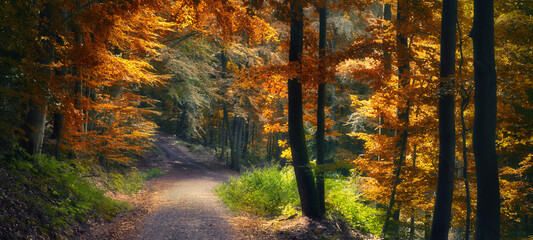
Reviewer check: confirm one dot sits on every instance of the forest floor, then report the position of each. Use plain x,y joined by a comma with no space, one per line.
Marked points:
182,205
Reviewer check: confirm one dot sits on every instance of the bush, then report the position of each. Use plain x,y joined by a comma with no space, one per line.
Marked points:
272,191
264,191
343,201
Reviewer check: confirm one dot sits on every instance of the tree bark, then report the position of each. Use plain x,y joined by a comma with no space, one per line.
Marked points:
484,135
320,115
34,129
300,159
236,143
402,50
464,104
58,131
225,131
34,123
443,201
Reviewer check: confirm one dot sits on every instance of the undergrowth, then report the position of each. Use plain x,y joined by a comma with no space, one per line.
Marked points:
44,197
263,191
272,191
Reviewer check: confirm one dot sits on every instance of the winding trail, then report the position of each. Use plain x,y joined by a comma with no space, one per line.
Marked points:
185,205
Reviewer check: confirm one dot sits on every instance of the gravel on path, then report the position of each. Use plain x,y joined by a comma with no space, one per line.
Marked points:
185,205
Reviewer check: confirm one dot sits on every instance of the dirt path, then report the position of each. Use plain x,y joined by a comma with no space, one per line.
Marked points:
182,205
185,205
178,205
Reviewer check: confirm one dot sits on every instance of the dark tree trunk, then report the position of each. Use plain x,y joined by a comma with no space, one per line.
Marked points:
465,96
442,211
246,138
225,131
402,50
464,104
320,115
484,135
387,59
58,131
300,158
35,121
236,143
412,233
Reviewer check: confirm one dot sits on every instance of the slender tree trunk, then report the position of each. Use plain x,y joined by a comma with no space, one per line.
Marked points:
236,143
484,135
300,159
35,121
232,142
225,130
442,212
320,115
468,203
465,95
403,112
34,129
58,132
387,59
246,138
412,233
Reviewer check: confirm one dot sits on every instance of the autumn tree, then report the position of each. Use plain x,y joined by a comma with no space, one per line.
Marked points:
300,159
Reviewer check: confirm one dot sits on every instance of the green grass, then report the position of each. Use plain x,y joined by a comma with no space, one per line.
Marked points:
40,196
343,201
46,197
129,180
263,191
272,191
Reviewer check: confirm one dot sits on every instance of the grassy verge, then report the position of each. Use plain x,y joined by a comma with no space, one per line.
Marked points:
45,198
271,191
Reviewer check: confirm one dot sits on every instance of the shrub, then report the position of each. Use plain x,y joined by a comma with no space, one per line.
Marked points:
272,191
264,191
343,201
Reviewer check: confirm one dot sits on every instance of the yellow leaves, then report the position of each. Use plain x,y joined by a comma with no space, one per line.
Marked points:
287,154
276,127
282,143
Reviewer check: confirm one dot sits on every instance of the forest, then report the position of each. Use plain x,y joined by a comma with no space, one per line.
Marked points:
417,113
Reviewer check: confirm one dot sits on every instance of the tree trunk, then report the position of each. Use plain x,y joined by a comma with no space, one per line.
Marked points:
58,131
34,129
403,112
484,135
465,96
442,211
320,115
246,138
236,143
412,233
387,59
300,158
224,131
468,203
35,121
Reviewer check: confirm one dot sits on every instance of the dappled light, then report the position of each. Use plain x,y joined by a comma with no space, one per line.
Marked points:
266,119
